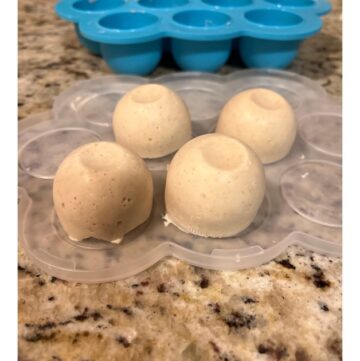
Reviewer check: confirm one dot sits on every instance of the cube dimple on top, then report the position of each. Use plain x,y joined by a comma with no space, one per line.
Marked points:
132,35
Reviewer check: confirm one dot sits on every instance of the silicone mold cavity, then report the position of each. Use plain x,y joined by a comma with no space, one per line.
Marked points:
324,120
41,156
292,3
97,6
228,3
201,18
302,204
318,201
162,4
127,21
278,18
200,34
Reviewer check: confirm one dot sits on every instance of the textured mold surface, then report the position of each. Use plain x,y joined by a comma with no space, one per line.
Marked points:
303,197
314,190
321,127
41,156
191,26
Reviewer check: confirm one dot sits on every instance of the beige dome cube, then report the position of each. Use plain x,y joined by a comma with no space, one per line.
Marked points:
102,190
152,120
262,119
214,187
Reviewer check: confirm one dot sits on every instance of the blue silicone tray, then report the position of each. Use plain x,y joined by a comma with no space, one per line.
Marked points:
132,35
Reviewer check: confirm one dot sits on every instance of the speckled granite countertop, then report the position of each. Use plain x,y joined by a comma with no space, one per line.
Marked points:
288,309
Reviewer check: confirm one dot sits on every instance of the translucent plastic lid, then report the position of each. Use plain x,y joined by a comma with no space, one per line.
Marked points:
304,191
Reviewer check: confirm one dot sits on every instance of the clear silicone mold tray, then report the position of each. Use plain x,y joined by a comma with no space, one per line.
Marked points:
131,35
303,199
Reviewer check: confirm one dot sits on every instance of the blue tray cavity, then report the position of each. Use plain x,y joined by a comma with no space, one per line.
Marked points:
131,35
